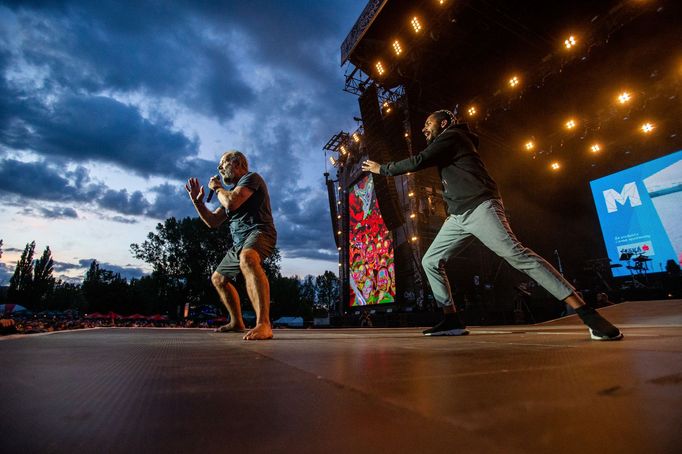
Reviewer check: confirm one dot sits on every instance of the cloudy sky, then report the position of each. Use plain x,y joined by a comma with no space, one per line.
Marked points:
107,107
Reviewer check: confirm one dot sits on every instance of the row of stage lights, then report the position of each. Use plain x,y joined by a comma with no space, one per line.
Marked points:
595,147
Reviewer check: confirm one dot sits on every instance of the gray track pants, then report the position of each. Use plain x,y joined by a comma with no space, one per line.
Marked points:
488,223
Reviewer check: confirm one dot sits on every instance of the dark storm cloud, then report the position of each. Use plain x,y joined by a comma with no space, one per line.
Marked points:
61,267
59,212
276,61
5,274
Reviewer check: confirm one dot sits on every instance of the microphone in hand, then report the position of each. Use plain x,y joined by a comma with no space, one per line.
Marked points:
211,191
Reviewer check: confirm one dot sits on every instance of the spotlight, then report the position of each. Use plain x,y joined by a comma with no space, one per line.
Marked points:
647,127
555,165
416,25
595,148
570,42
471,111
380,68
339,188
338,216
530,145
356,137
339,232
414,239
397,48
343,150
338,202
624,97
570,124
339,248
407,135
410,194
332,160
412,215
514,81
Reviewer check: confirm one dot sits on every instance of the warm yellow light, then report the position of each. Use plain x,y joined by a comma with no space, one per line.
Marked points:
397,48
647,127
356,137
530,145
332,160
514,81
407,135
570,42
414,238
339,248
338,216
471,111
339,187
410,194
595,148
343,149
388,110
555,166
380,68
338,202
570,124
339,264
416,25
412,215
624,97
339,232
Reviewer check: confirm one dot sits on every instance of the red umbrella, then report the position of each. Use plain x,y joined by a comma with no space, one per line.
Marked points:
158,317
136,317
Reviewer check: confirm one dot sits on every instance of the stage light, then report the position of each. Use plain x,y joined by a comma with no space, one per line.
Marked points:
555,165
407,135
338,202
595,148
339,232
530,145
343,150
416,25
647,127
339,188
380,68
570,42
472,111
412,215
514,81
339,265
332,160
397,48
356,137
414,239
338,216
570,124
410,194
338,248
624,97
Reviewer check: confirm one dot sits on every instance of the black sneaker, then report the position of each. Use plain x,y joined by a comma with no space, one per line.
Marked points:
600,328
450,326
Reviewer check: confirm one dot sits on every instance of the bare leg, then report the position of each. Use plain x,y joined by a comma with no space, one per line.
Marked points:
258,288
574,301
230,299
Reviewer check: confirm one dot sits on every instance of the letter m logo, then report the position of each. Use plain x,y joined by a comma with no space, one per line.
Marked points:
612,197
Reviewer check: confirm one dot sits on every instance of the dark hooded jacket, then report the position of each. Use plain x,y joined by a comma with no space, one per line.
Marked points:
466,182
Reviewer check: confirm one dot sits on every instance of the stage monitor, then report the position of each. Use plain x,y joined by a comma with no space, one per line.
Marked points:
372,272
640,213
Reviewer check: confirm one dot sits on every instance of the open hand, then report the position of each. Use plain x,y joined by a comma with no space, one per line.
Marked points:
195,190
371,166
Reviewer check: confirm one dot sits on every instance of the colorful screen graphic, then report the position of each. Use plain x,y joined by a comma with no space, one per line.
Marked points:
640,213
372,272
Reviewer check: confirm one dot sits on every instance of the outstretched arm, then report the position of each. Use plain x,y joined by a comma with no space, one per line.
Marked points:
213,219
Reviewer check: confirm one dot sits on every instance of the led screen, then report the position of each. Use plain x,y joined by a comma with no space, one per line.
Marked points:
640,213
372,273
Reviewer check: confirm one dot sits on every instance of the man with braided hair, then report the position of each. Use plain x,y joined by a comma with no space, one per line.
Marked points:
475,209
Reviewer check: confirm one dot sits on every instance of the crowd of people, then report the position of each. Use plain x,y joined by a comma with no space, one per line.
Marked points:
32,324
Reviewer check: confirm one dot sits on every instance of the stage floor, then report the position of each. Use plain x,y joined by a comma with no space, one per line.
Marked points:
543,388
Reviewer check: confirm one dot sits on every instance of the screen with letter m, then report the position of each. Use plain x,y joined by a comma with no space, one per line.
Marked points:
640,213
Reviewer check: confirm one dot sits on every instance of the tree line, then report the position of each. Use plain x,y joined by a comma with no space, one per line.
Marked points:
182,254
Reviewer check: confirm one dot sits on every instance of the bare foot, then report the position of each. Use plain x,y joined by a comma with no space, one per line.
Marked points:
262,331
231,327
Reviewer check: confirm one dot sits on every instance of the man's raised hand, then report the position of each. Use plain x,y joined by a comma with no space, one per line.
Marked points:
195,190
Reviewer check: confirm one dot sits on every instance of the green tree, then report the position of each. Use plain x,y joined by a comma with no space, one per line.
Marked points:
327,286
43,282
105,290
307,292
20,282
285,297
